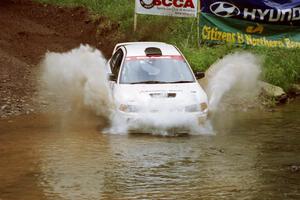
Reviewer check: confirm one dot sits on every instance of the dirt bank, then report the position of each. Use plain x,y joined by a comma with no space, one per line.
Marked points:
28,31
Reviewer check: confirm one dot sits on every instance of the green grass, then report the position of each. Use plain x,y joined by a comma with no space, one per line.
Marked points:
281,67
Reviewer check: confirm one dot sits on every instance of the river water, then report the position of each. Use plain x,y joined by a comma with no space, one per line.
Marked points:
252,155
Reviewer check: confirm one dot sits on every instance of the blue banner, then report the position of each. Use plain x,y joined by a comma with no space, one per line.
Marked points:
282,12
271,23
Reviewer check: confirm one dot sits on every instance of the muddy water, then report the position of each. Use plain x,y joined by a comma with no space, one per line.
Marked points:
253,155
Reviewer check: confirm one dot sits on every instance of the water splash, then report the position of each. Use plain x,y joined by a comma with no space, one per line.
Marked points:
162,123
77,80
236,74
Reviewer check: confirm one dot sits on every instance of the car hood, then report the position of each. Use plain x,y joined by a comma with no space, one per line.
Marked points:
159,94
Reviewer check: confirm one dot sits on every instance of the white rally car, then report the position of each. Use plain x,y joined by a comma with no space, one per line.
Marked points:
152,83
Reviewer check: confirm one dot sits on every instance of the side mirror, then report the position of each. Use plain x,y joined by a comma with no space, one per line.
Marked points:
112,77
199,75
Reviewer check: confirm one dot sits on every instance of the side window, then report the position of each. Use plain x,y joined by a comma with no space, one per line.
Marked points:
116,61
113,60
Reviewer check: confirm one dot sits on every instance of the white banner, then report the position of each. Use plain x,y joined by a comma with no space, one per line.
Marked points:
176,8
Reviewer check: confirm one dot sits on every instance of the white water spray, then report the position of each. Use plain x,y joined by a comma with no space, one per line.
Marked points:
157,118
236,74
77,79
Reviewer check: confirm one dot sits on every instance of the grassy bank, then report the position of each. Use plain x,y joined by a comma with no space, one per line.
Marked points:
280,67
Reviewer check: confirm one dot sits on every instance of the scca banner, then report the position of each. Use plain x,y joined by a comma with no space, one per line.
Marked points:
272,23
176,8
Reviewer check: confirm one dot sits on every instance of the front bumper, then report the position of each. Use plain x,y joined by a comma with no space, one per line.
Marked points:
175,122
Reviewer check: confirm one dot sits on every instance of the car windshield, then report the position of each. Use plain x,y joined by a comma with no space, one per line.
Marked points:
151,70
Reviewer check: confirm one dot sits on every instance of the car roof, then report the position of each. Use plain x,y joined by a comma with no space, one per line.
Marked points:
138,48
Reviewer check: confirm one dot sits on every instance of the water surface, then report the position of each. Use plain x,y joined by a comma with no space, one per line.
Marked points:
253,155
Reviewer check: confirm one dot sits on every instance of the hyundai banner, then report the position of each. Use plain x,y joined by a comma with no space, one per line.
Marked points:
272,23
176,8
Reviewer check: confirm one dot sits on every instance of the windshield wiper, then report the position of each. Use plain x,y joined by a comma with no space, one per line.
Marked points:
182,82
149,82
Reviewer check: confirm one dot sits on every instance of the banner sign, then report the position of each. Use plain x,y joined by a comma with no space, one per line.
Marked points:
176,8
272,23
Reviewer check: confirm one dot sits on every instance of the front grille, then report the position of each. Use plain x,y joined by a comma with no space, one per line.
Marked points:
163,95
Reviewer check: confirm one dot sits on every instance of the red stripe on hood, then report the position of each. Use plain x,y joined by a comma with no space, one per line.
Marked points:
175,57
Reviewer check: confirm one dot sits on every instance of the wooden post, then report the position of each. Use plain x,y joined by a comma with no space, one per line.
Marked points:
135,18
135,22
198,22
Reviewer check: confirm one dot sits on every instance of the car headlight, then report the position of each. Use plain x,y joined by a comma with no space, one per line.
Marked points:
196,108
192,108
128,108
